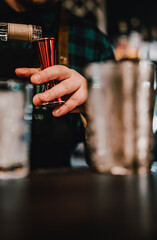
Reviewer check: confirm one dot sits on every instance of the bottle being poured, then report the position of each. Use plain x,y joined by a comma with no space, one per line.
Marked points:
44,46
19,32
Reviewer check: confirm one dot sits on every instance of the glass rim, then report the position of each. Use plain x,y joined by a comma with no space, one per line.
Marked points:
43,39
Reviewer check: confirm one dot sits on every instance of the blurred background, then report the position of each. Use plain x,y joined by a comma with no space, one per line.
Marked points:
95,10
131,27
107,13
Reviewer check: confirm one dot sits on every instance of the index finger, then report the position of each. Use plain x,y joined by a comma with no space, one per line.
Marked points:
56,72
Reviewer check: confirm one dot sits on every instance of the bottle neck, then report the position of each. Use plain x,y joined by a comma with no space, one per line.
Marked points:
20,32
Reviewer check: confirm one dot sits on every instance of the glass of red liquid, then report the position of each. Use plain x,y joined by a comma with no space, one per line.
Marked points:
45,48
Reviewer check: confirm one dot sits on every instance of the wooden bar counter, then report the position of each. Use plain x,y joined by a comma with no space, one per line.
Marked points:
78,203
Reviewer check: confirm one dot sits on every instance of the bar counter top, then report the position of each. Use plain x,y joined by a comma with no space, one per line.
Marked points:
78,203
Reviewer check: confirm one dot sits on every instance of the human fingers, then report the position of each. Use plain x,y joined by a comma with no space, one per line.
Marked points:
56,72
78,98
66,87
26,72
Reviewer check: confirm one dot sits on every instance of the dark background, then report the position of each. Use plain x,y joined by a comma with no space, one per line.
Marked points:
116,10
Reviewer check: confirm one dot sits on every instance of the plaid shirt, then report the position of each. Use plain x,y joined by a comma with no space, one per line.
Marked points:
86,43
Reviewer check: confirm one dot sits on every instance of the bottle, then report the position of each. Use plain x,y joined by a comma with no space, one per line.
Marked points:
121,41
134,39
19,32
145,43
153,45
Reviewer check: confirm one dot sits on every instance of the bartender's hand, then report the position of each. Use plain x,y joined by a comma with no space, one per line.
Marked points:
70,83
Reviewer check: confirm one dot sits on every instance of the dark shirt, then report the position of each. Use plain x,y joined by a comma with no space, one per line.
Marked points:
53,139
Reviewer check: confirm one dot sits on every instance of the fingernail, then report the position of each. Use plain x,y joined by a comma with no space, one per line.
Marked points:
21,70
56,112
36,77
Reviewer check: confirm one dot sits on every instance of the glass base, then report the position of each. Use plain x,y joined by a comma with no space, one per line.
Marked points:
119,170
53,104
14,172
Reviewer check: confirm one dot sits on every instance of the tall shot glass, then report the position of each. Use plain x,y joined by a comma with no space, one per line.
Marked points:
45,48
